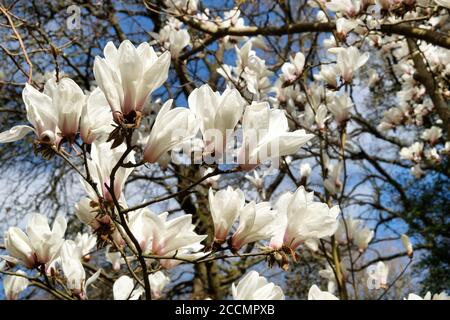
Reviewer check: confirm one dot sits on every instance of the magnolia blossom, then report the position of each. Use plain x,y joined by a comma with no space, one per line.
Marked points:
40,245
188,6
305,170
14,285
256,222
74,271
124,288
349,60
158,281
340,108
171,236
255,287
354,230
328,74
407,245
103,160
362,238
328,274
413,153
127,76
217,114
114,257
265,135
302,219
379,273
316,294
432,135
173,37
344,26
349,8
54,113
293,69
96,118
332,183
225,206
171,128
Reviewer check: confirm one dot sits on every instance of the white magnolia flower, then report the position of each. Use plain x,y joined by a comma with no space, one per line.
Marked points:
255,287
74,271
333,183
124,288
217,114
171,128
328,274
172,37
128,75
407,245
54,113
302,219
380,273
158,281
363,237
413,153
349,8
293,69
85,242
265,135
316,294
328,74
103,160
170,236
432,135
14,285
256,222
340,108
96,118
40,245
349,60
225,206
344,26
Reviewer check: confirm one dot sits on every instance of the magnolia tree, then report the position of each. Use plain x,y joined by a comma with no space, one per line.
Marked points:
242,149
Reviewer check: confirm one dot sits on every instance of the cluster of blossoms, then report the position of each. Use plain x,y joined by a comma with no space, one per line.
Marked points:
112,121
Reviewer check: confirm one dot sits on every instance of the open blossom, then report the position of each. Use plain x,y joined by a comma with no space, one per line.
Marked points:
379,272
170,236
432,135
349,60
173,37
328,74
316,294
54,113
217,114
293,69
349,8
255,287
189,6
96,118
265,135
74,271
256,222
14,285
413,153
171,128
356,232
40,244
225,206
363,237
344,26
127,76
340,108
103,159
301,219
